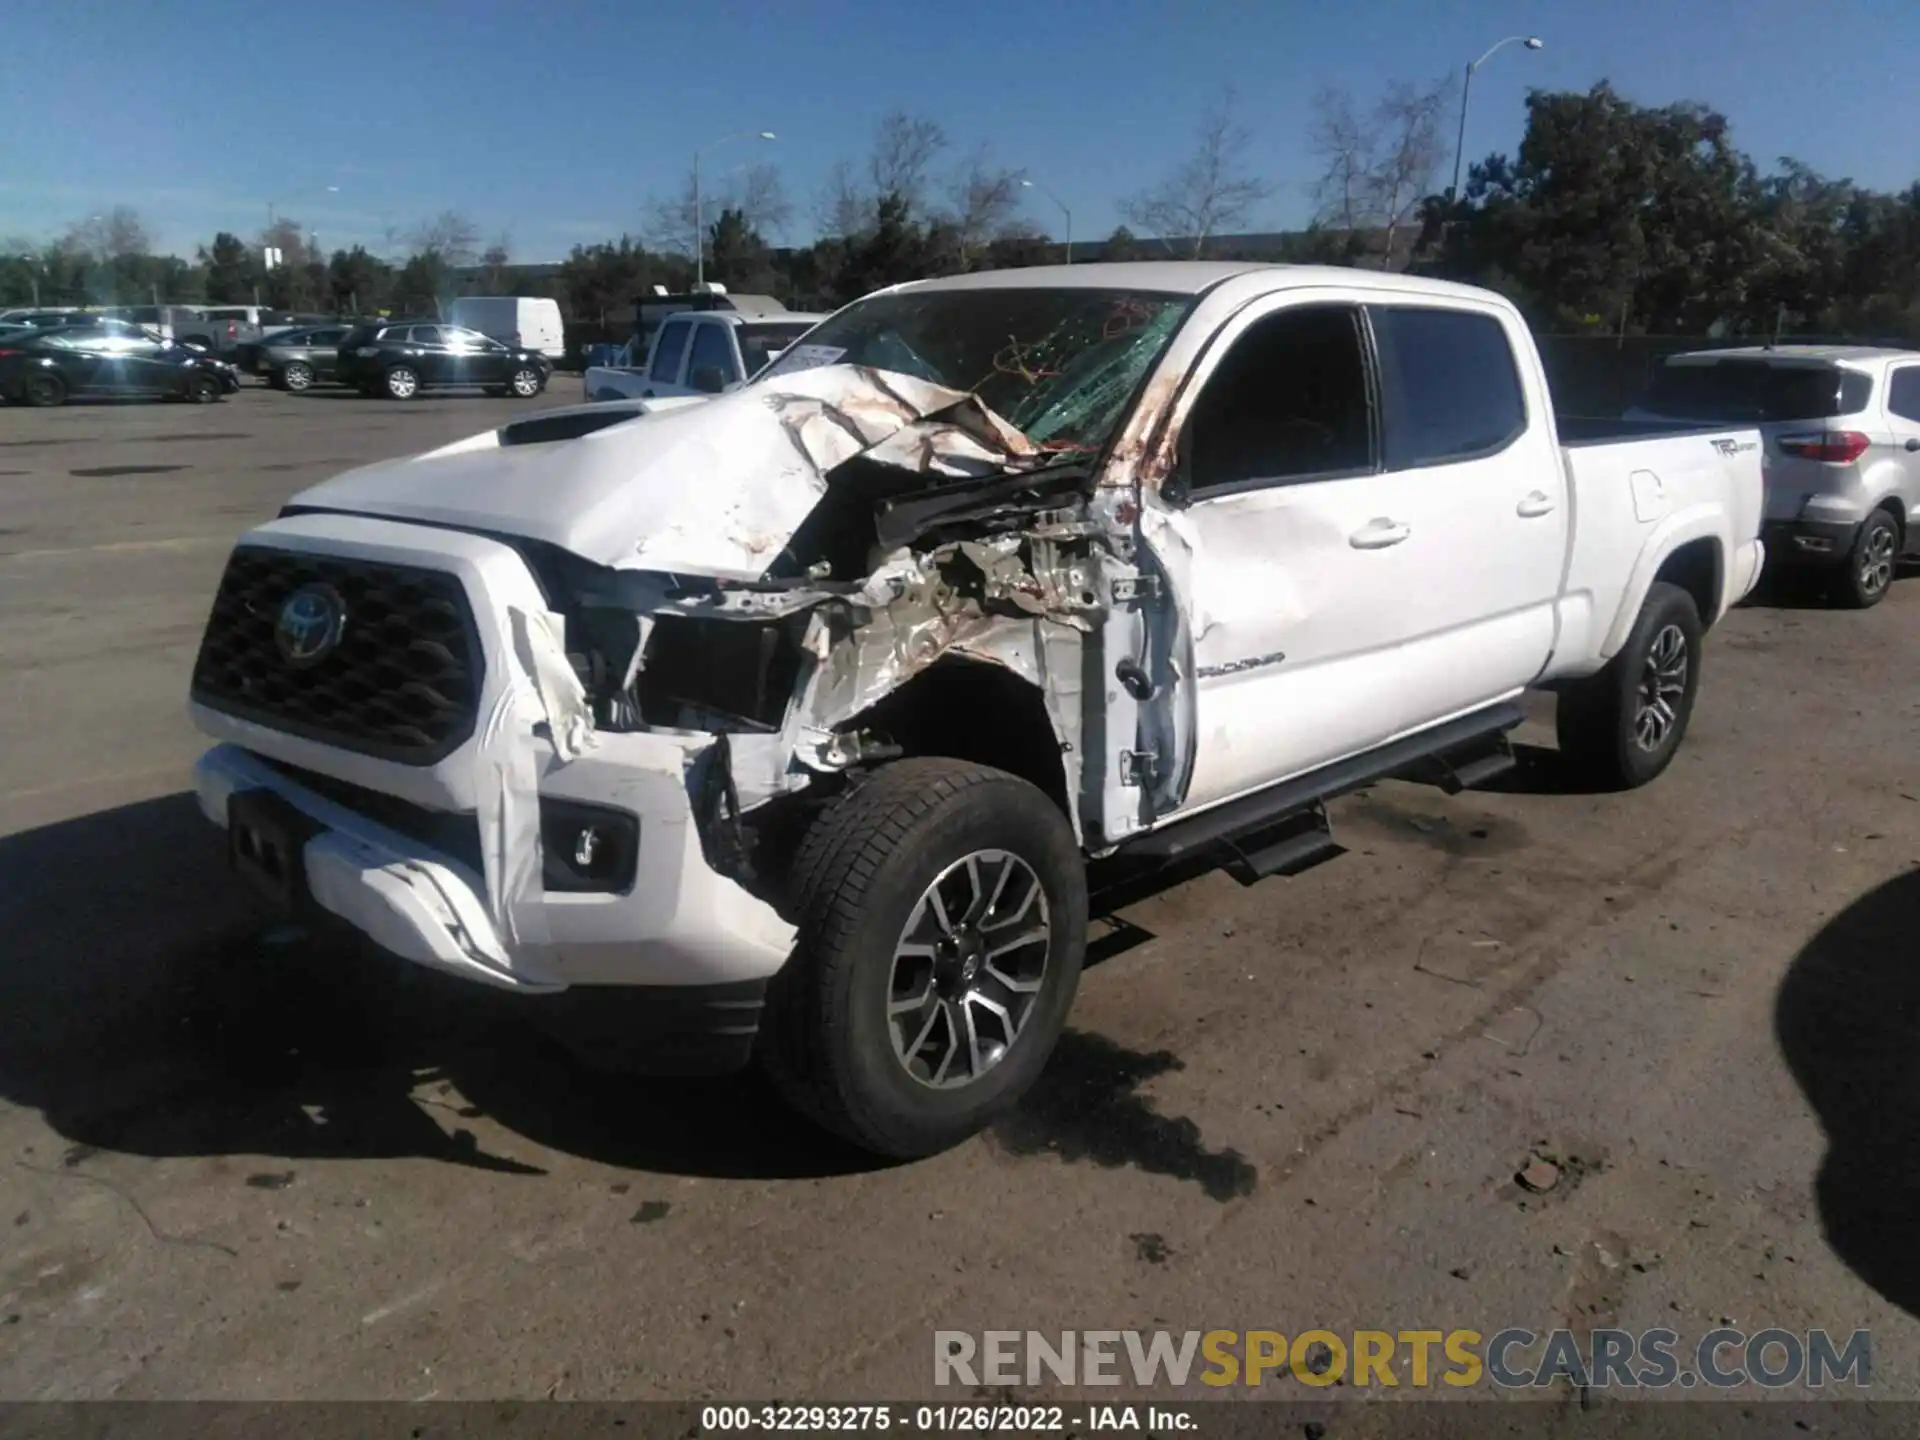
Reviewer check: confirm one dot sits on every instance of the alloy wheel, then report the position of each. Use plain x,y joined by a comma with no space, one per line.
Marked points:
968,968
1877,558
1663,686
525,384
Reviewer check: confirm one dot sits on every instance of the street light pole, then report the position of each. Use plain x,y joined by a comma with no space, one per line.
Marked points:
1030,185
699,225
1532,42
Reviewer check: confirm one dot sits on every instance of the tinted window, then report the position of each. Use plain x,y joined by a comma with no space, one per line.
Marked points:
666,354
1753,391
710,348
472,339
758,342
1289,401
427,335
1448,387
1903,393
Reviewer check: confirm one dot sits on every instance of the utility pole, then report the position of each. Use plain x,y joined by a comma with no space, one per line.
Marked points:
1532,42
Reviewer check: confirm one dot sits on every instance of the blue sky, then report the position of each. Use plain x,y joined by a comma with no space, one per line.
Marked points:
554,122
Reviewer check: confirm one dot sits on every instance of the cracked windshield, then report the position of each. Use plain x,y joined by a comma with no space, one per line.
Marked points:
1059,365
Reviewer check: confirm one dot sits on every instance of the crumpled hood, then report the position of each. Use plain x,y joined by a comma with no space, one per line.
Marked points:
716,488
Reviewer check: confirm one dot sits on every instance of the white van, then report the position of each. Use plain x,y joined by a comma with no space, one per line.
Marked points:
525,320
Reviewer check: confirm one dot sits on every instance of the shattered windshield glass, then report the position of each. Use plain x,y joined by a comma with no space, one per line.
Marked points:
1059,365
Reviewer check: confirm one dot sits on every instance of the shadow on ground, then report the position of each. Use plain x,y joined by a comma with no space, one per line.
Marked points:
144,1010
1847,1019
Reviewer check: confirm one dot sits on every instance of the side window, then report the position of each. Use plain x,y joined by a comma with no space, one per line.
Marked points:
667,352
1903,393
1288,403
427,335
1449,389
711,348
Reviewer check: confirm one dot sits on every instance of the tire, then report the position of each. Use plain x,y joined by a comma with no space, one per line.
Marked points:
204,390
402,382
295,376
860,900
525,383
1603,721
44,390
1871,563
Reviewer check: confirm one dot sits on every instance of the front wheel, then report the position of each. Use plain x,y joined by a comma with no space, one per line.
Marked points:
296,376
942,917
403,383
526,383
1621,728
1870,564
205,389
44,389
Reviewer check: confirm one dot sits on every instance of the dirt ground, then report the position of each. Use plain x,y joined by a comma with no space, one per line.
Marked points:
240,1163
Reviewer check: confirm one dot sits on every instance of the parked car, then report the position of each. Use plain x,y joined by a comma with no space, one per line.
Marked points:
526,321
297,360
699,353
400,359
231,326
246,354
809,719
107,358
48,319
169,322
1841,426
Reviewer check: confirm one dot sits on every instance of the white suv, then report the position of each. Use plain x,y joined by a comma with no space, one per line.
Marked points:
1842,432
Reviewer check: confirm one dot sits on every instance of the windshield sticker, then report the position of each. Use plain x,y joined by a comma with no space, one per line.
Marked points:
808,357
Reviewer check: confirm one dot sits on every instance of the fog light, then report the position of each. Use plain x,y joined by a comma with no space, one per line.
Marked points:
587,848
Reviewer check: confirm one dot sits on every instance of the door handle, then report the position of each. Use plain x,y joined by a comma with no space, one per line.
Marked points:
1378,534
646,394
1534,505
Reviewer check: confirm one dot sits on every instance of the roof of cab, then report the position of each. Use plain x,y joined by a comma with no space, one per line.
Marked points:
1811,354
1187,277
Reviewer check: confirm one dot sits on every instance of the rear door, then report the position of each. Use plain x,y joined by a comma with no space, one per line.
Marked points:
1903,420
1483,488
428,351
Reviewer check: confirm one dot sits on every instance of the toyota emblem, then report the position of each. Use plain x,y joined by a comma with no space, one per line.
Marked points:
311,621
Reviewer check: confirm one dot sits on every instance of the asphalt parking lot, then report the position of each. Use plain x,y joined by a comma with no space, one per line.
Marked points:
237,1163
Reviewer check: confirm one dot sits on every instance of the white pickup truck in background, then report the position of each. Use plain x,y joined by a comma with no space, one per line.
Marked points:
812,721
703,352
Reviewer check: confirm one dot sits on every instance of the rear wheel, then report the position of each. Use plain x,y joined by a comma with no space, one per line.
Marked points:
296,375
1870,564
1621,728
942,917
403,383
204,389
44,389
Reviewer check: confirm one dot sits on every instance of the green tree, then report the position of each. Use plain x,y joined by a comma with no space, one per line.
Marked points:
358,283
230,270
422,284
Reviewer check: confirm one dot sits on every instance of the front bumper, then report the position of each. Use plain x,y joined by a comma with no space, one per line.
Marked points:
1808,542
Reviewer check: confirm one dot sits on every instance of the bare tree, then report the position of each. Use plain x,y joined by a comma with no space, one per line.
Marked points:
840,209
119,231
1377,167
1207,193
496,258
904,149
985,199
756,191
450,235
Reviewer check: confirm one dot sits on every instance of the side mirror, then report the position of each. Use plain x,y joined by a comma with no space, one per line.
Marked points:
708,380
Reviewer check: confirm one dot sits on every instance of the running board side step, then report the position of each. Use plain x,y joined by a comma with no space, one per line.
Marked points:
1295,844
1468,766
1255,824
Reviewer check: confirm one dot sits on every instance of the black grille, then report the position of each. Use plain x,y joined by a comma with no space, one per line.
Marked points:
454,834
402,684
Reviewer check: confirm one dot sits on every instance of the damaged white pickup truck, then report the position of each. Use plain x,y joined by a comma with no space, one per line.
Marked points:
795,722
